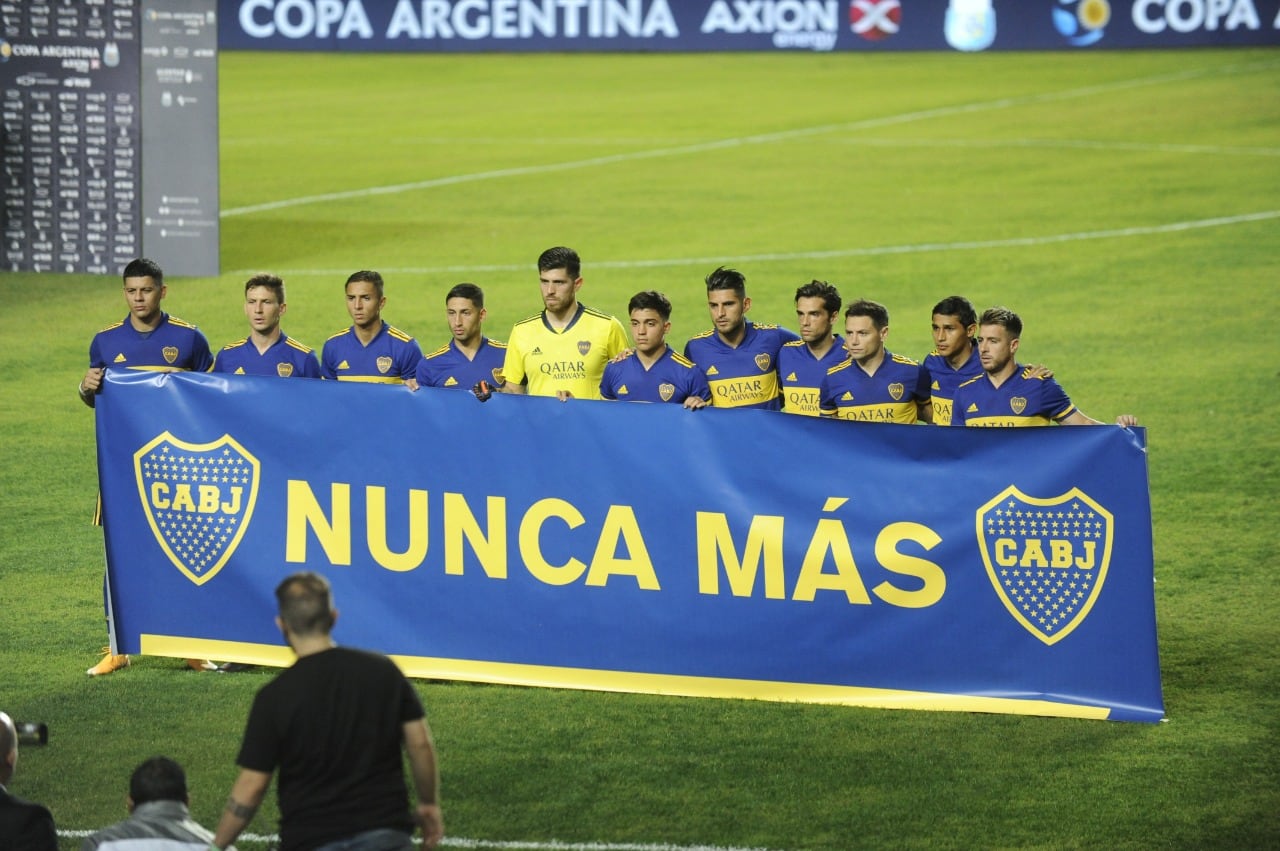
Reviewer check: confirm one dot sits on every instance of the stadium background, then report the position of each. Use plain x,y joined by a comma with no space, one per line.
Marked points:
1124,203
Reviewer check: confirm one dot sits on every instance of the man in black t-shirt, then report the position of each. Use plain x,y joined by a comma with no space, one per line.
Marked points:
334,724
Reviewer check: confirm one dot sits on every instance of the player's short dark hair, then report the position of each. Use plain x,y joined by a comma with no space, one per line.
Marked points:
724,278
874,310
144,268
560,258
467,290
821,289
158,779
959,307
367,276
271,282
1005,318
306,603
651,300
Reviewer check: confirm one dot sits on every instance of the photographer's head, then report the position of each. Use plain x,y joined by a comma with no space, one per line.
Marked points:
306,611
157,779
8,748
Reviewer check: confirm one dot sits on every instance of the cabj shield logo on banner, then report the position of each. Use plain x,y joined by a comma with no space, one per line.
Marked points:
198,499
1046,558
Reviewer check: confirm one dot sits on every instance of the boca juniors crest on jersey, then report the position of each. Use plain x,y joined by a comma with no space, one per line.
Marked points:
198,499
1046,558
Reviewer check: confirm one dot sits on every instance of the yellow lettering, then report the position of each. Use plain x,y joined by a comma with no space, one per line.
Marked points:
620,522
159,492
1087,563
1006,552
829,536
233,507
931,575
376,530
182,499
531,549
304,511
208,499
764,544
1033,555
1059,553
490,547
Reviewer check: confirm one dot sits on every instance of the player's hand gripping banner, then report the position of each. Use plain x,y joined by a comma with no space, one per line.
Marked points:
631,547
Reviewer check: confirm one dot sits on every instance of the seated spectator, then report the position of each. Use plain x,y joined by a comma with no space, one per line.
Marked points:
158,817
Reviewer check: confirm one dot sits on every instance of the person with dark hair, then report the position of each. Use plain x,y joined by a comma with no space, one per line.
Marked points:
469,357
738,357
654,372
954,359
267,350
370,350
873,384
158,816
150,340
334,725
24,825
1008,393
803,363
562,350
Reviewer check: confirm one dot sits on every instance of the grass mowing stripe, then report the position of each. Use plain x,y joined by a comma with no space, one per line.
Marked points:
756,139
503,845
921,248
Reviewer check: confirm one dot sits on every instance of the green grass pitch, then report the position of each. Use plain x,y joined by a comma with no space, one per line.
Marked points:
1127,204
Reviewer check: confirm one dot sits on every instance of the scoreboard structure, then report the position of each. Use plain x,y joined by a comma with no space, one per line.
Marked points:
110,135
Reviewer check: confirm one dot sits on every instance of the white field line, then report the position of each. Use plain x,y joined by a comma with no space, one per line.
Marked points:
874,251
1067,144
757,139
507,845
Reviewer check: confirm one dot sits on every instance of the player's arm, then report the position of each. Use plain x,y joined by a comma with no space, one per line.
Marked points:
1078,417
246,796
924,410
426,780
91,384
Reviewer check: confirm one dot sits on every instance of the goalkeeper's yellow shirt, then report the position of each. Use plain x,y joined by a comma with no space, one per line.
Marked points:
572,358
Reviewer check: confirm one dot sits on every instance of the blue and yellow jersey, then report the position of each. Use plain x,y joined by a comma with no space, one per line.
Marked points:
1022,400
945,381
174,346
285,358
892,395
801,375
746,376
390,358
447,366
571,359
673,378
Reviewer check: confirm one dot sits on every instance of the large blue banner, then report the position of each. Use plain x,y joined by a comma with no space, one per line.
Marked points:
632,547
711,25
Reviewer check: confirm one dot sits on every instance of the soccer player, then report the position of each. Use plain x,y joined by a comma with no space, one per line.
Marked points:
739,357
654,372
1008,394
267,350
469,357
954,359
370,350
562,350
803,363
873,384
147,339
150,340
